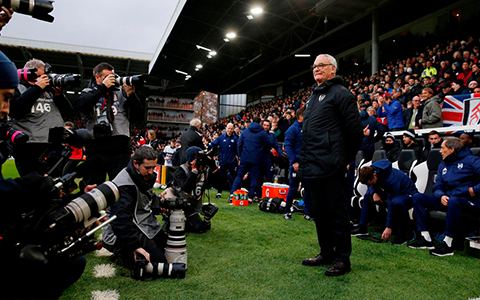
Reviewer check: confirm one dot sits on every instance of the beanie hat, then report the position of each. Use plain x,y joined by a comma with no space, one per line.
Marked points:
192,153
389,135
409,133
8,73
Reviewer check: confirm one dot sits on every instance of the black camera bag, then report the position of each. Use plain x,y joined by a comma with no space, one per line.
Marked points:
273,205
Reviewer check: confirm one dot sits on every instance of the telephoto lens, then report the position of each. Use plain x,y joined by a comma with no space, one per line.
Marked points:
166,270
136,80
143,269
67,81
176,249
89,204
38,9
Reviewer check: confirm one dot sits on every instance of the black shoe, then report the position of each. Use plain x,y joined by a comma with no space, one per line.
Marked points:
230,198
421,243
338,268
218,195
399,239
308,218
316,261
359,231
442,250
288,217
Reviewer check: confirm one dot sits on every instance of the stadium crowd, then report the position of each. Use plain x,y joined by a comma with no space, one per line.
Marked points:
404,95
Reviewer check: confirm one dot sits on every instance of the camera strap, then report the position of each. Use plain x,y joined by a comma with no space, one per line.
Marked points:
107,106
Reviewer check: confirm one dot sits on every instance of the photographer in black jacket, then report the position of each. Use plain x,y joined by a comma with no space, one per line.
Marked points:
136,229
107,108
189,182
35,108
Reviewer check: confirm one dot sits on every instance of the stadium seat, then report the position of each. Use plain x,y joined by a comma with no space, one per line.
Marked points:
359,189
475,150
406,161
378,154
359,159
433,160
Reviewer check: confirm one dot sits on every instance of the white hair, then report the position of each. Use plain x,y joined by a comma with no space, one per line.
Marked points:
34,63
195,122
331,59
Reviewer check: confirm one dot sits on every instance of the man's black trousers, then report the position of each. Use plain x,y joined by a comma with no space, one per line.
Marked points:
331,217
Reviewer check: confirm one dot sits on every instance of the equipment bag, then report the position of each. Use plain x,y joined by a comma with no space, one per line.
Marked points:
273,205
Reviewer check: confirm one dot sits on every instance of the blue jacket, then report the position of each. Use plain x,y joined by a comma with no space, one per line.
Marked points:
394,114
391,182
293,142
457,173
266,151
252,143
228,148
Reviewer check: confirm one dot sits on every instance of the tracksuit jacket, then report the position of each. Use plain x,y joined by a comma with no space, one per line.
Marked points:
252,143
456,174
293,142
391,182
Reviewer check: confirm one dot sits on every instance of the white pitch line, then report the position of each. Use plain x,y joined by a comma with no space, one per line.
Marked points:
104,270
105,295
103,252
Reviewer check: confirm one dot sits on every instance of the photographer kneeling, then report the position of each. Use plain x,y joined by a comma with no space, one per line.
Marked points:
136,236
188,182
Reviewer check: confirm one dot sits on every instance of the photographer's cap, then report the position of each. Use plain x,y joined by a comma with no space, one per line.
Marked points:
192,153
8,73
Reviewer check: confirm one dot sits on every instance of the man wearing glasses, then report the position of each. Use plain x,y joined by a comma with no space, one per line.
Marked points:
332,135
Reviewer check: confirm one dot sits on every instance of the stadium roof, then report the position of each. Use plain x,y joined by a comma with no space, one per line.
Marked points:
263,51
261,54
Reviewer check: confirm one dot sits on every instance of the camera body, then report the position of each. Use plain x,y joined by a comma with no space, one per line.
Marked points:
102,127
60,140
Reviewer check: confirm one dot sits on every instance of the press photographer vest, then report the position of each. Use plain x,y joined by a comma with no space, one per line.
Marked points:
43,115
121,125
143,217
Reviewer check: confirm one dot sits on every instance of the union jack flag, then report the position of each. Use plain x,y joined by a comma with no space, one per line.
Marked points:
461,110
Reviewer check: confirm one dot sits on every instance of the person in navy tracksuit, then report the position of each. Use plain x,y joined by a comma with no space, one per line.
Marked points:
293,143
266,172
387,184
457,189
250,147
228,154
